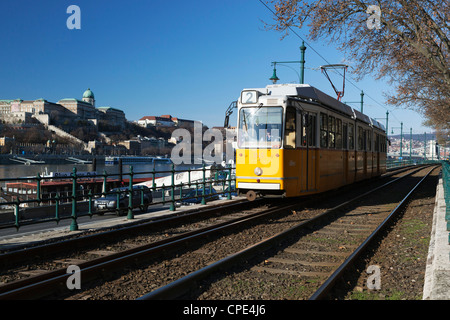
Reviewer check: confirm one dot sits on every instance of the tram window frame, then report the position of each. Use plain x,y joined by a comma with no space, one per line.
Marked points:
323,130
302,127
290,130
365,140
338,138
308,129
351,136
376,142
369,140
312,130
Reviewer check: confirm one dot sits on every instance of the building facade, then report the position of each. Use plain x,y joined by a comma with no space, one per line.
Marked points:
165,121
69,108
113,116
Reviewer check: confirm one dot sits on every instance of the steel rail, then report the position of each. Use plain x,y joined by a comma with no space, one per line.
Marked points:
182,285
325,288
41,285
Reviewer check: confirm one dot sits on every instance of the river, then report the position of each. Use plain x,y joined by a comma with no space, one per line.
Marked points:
20,170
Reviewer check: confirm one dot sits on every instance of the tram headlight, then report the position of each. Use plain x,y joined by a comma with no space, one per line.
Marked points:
258,171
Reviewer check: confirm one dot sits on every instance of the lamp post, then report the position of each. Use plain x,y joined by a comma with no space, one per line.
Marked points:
361,102
274,77
302,63
425,147
401,138
410,145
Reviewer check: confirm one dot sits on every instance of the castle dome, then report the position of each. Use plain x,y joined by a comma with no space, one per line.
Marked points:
88,94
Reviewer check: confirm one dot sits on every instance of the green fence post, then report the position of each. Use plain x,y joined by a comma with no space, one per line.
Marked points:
118,202
229,183
74,224
16,213
204,178
153,179
130,196
105,175
189,177
172,200
38,191
57,208
90,203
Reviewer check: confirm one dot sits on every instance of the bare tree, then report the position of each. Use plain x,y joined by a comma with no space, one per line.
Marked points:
404,41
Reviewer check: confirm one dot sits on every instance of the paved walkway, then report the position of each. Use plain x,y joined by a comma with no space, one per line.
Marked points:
437,275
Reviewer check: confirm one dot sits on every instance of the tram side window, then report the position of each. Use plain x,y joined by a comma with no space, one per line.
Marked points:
304,128
369,140
289,134
338,134
382,143
360,138
323,130
351,136
308,130
331,132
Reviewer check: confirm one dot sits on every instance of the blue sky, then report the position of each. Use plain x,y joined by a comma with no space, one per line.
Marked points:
189,59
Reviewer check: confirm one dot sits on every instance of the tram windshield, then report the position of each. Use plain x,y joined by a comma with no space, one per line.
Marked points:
260,127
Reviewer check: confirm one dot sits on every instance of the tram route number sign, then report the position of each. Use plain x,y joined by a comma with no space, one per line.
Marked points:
248,97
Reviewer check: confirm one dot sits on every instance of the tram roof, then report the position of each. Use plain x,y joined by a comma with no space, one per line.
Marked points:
308,92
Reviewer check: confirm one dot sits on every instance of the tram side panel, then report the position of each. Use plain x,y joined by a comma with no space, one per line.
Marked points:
300,169
294,171
331,169
351,166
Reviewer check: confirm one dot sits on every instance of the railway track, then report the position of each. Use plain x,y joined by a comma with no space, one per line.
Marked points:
49,282
316,251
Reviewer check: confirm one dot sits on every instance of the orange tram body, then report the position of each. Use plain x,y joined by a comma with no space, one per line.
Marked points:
295,140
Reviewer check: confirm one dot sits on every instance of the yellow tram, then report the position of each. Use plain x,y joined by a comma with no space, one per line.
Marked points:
294,140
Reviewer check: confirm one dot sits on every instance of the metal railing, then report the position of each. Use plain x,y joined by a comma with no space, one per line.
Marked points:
446,187
390,164
41,199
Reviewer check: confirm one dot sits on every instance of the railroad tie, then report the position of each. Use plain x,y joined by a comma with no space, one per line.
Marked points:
101,252
291,272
